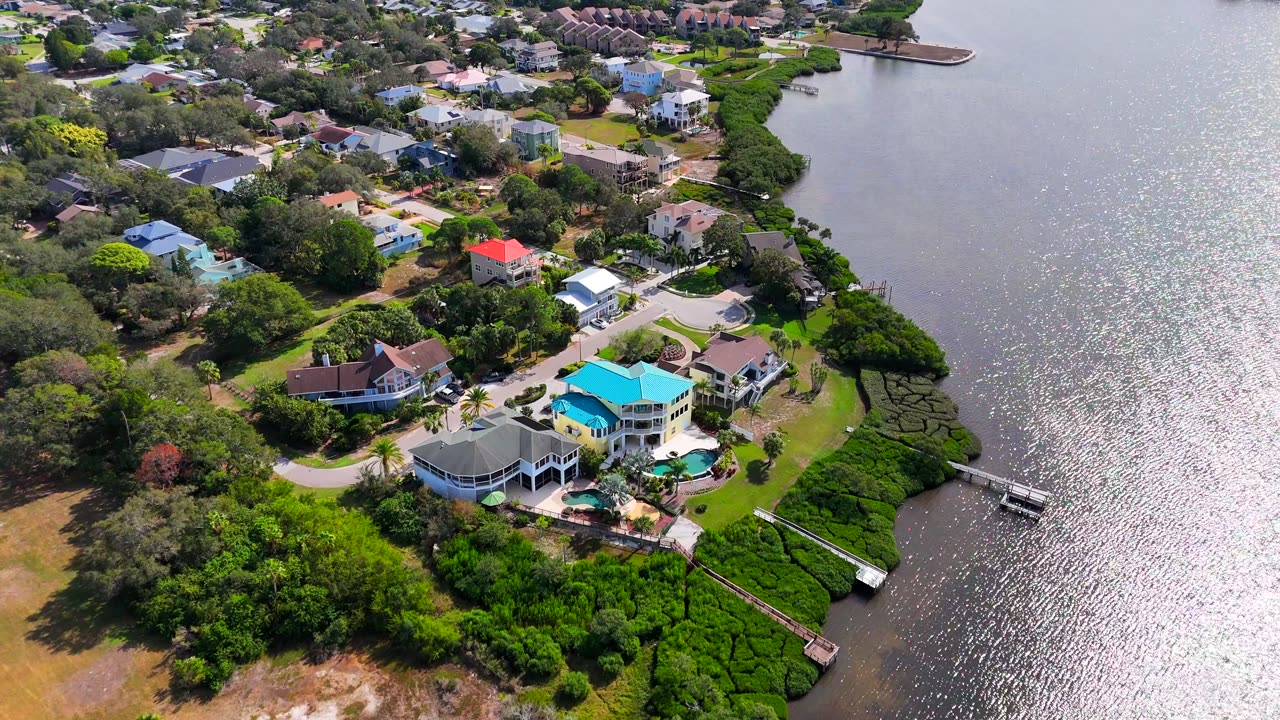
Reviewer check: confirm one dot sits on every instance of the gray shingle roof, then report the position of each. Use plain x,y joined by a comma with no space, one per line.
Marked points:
221,170
498,439
534,127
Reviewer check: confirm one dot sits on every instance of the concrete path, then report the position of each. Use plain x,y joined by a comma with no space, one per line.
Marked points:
417,207
702,313
686,532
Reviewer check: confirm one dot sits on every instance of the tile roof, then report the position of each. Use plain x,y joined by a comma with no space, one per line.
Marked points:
335,199
497,440
503,251
618,385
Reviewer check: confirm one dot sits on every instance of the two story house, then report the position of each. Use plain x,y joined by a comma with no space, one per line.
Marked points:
680,108
167,241
615,409
663,161
437,118
624,168
346,201
506,262
392,236
500,447
335,140
811,289
496,120
593,293
737,369
642,77
382,377
683,223
528,135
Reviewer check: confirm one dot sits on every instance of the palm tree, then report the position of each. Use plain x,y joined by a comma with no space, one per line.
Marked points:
468,418
433,421
545,152
755,409
780,340
209,374
736,382
615,489
703,386
643,524
388,455
476,401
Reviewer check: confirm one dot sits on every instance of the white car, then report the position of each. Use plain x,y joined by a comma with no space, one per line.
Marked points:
599,323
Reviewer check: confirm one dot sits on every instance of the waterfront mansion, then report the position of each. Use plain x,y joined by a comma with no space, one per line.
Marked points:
616,410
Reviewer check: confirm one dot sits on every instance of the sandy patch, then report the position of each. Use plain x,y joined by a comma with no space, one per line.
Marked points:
18,586
97,684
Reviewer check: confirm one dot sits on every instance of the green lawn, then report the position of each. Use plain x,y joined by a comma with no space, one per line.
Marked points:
810,430
297,353
30,51
608,129
703,281
322,492
722,53
607,353
808,329
699,338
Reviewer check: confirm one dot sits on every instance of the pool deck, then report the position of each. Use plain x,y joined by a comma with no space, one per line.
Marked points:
686,442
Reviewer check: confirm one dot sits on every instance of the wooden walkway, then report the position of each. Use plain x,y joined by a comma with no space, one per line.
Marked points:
806,89
868,574
1021,499
816,648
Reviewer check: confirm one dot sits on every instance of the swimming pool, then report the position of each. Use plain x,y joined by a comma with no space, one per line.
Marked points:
593,498
700,463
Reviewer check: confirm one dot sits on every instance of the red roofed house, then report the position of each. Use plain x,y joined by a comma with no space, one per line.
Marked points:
346,201
504,261
683,223
310,44
379,380
160,82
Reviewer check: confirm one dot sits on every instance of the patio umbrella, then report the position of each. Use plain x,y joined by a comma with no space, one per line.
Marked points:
493,499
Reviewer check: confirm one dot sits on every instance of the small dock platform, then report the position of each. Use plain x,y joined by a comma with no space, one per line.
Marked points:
1016,497
806,89
869,575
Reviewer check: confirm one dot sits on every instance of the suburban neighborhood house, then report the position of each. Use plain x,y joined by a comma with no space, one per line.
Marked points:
608,163
529,135
616,410
167,241
379,380
643,77
663,161
506,262
593,293
335,140
811,290
392,236
683,223
748,358
437,118
498,448
680,108
346,201
691,22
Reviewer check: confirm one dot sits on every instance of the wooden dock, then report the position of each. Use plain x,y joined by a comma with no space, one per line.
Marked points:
1022,499
868,574
806,89
817,648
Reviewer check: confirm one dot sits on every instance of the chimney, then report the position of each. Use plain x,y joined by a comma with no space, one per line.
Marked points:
324,359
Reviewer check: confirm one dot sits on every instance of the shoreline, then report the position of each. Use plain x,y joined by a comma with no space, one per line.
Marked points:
910,52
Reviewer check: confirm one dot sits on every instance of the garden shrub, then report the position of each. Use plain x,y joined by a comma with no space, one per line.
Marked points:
866,331
575,687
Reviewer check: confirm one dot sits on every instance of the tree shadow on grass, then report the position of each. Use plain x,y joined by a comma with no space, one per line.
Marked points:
758,472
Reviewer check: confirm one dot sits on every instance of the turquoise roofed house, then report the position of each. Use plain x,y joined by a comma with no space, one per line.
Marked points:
616,409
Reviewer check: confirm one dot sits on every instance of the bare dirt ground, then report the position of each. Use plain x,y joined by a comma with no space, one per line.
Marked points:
63,655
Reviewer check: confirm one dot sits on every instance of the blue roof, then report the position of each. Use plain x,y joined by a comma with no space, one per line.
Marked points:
585,409
153,230
400,92
167,244
641,382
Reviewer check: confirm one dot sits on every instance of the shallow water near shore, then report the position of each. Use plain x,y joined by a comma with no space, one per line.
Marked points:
1087,217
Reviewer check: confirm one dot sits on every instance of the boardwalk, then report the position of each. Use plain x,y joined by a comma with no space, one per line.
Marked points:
806,89
1022,499
868,574
816,648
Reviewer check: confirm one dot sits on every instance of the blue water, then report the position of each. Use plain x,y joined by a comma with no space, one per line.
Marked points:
586,497
700,462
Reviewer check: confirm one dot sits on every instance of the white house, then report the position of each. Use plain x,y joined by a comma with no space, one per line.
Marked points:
437,118
346,201
593,293
683,223
681,108
466,81
496,120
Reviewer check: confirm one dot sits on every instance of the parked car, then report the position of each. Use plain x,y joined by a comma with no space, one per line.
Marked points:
600,323
494,377
447,396
455,387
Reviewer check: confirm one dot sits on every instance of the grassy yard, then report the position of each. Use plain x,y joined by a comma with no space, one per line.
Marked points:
808,329
698,337
291,355
608,129
703,281
810,429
